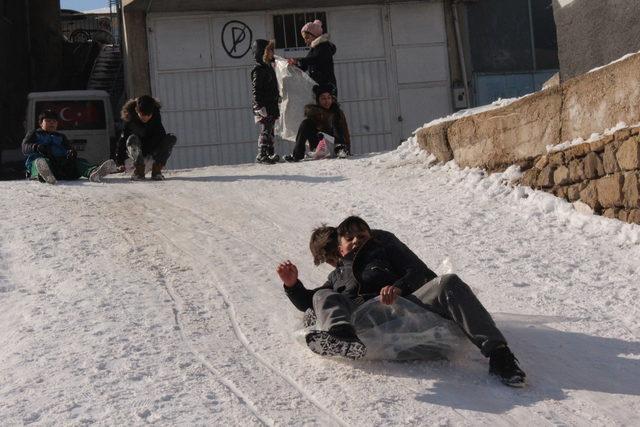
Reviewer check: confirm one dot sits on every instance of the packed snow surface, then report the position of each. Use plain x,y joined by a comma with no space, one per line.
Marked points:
130,303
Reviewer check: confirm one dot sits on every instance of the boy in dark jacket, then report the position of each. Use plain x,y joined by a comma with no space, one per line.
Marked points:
266,97
143,136
370,264
50,156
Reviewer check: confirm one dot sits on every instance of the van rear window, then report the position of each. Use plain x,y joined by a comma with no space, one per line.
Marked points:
75,115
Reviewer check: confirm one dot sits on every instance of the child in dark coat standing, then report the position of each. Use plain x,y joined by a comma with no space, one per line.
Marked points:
266,97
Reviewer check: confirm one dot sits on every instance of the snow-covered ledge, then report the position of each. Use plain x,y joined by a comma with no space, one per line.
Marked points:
517,131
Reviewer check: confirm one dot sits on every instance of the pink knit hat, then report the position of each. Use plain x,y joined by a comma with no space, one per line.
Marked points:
314,28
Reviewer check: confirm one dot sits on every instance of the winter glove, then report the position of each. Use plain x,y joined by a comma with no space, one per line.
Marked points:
72,154
45,150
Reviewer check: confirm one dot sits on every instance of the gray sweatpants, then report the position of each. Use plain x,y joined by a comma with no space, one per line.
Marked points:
447,296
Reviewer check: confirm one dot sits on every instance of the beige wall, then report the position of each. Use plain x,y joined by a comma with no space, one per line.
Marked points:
587,104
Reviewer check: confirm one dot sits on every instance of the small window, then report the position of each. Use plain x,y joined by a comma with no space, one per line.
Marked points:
75,115
286,29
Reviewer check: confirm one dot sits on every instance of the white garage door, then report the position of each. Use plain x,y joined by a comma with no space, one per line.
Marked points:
200,70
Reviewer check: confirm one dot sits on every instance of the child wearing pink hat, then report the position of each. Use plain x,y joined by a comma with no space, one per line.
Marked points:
319,60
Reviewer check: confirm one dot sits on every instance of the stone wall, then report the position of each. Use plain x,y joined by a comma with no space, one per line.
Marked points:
522,130
604,174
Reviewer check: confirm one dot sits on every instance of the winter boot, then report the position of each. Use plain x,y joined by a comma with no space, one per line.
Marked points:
138,173
44,171
340,340
289,158
263,155
156,172
274,158
504,365
341,151
103,170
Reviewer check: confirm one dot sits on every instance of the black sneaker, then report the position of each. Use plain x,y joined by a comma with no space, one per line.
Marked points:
334,343
266,159
289,158
504,365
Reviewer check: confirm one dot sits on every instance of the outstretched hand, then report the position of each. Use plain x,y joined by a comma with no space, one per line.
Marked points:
389,294
292,61
288,273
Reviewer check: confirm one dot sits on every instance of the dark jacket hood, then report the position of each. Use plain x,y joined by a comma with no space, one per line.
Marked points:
258,48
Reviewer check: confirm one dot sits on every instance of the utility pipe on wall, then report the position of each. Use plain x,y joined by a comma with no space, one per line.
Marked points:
463,67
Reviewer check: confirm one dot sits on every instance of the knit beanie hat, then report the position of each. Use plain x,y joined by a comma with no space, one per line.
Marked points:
314,28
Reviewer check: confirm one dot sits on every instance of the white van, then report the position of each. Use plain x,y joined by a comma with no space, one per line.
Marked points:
84,116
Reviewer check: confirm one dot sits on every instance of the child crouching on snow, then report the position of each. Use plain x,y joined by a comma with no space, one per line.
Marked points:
370,264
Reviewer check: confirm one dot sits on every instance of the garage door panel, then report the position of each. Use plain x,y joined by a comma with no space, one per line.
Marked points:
362,79
238,153
422,64
367,117
192,127
358,33
417,23
186,90
193,157
237,126
182,44
427,104
233,88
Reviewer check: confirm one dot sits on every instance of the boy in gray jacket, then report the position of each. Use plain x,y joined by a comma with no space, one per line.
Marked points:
375,263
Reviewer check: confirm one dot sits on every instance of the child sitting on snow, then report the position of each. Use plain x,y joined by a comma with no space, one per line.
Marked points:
367,267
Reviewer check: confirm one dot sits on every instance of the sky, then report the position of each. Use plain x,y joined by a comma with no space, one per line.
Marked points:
82,5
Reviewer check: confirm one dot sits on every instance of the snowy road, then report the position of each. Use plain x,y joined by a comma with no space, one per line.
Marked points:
127,303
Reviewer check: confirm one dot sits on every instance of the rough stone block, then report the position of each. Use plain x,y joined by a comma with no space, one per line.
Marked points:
622,215
611,213
556,159
589,195
598,146
634,130
628,155
560,191
609,161
577,151
530,177
541,162
545,178
576,171
592,166
434,140
622,134
609,190
634,216
631,189
573,191
561,175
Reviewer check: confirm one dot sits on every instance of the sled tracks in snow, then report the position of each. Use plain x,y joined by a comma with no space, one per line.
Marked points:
182,235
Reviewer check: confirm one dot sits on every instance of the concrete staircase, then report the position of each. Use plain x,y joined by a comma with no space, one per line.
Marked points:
108,74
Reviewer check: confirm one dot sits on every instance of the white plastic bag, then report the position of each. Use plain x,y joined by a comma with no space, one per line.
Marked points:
401,331
404,331
324,149
296,90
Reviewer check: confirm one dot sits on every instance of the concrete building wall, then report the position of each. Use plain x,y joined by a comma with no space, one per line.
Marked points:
30,60
594,33
14,73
